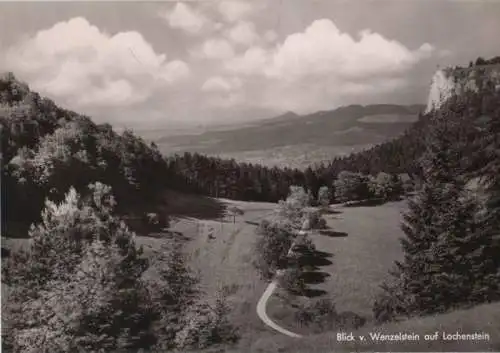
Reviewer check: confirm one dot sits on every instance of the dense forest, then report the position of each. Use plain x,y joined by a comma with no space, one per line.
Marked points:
46,149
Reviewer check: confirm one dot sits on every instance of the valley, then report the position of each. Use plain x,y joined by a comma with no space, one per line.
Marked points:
303,140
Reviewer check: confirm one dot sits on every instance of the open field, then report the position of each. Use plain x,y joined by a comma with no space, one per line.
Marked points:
298,156
364,246
220,252
351,261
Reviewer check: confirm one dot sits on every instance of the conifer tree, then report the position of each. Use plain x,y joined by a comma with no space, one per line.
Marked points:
448,260
79,286
491,169
173,290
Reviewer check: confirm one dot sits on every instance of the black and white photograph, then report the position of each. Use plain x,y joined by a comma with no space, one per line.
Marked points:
250,176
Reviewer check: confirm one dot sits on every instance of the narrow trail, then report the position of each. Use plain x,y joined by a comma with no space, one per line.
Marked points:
261,311
262,304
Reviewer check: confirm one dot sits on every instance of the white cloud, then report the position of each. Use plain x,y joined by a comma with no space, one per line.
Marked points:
220,84
174,71
270,36
184,17
322,67
254,61
233,11
224,92
76,61
243,33
217,49
322,49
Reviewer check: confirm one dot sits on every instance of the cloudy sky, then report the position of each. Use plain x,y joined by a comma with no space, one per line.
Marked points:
161,63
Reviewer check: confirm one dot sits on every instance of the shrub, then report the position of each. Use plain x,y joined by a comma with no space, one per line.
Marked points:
206,325
349,320
386,186
271,249
321,315
324,196
351,187
292,281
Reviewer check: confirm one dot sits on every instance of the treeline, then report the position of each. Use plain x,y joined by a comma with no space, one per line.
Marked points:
481,61
243,181
224,178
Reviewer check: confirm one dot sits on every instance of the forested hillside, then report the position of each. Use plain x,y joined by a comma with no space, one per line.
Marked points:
46,149
472,110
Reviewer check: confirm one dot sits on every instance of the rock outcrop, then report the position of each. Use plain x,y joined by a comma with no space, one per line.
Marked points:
457,80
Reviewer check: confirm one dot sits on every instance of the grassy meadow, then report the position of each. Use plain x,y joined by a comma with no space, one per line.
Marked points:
352,260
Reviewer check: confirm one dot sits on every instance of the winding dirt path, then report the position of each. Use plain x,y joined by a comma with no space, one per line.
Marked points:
262,304
261,311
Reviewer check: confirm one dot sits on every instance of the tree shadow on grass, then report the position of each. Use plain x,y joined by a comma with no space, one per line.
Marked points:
332,234
329,211
312,258
365,203
313,293
311,261
314,277
190,205
372,202
167,234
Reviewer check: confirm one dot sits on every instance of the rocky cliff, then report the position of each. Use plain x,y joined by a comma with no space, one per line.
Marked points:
456,80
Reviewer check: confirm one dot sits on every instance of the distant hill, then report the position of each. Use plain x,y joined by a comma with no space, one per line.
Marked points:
337,132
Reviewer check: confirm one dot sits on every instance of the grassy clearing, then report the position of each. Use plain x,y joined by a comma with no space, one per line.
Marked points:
225,259
352,259
363,245
220,251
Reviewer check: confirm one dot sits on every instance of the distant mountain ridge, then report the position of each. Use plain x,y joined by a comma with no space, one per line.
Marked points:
344,126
